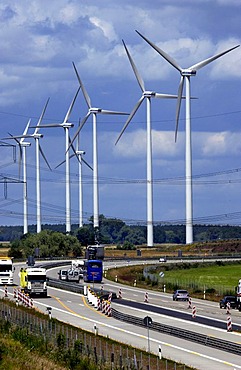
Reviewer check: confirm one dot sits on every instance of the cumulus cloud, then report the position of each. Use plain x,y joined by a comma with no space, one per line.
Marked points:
205,144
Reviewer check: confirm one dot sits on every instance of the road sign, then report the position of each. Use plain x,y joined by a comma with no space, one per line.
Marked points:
161,274
147,320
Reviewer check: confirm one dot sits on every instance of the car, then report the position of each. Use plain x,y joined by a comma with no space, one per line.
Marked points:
180,295
63,274
162,259
228,298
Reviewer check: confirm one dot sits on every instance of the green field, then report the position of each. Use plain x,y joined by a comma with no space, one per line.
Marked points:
221,278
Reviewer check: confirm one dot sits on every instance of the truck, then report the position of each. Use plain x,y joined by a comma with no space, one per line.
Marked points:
31,261
33,281
78,265
6,270
95,252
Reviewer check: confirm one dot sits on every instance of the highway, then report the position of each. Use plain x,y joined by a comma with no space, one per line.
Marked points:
74,309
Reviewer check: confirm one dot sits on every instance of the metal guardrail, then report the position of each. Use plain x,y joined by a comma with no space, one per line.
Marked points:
203,339
78,288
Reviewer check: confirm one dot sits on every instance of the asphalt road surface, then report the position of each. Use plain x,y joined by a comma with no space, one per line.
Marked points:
74,309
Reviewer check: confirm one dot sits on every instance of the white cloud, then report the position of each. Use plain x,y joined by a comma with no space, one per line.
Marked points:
205,144
106,28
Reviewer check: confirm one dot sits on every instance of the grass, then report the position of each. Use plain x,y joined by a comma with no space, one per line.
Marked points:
217,279
15,356
227,275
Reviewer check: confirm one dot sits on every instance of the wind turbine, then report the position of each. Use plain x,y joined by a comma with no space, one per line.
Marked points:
66,126
38,150
22,158
186,73
79,154
148,95
94,112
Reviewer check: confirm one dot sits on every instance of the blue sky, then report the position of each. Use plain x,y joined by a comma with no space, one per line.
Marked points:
40,39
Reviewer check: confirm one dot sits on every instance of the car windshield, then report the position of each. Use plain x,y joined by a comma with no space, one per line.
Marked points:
182,292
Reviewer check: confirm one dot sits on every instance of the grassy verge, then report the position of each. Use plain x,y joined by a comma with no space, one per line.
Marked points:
217,279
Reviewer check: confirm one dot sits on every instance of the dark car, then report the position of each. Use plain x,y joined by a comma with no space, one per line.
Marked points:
180,295
228,298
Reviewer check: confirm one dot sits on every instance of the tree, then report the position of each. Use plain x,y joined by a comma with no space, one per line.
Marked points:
85,235
49,243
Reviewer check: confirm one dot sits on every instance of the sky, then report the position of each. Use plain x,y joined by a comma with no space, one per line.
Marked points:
40,40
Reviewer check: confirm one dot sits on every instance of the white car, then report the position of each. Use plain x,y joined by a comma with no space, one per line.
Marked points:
162,259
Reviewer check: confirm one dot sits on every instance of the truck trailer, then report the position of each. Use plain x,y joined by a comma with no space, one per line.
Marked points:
6,270
33,281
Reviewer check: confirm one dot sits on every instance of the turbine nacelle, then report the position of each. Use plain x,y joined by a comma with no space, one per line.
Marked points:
67,125
149,94
81,152
24,143
37,136
188,72
95,110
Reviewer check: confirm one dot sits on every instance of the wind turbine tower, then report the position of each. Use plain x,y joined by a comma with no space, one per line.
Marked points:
186,73
94,112
66,126
22,159
148,95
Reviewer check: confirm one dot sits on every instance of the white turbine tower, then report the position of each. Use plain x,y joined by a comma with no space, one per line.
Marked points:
22,159
148,95
38,149
79,154
94,112
186,73
66,126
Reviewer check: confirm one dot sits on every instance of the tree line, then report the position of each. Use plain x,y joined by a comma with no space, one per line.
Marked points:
53,241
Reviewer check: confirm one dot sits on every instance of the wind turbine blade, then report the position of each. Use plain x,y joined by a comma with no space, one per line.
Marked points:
12,137
42,153
130,117
41,117
86,163
162,53
60,164
17,137
26,128
165,96
199,65
180,90
138,77
48,125
104,111
86,96
71,106
78,130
